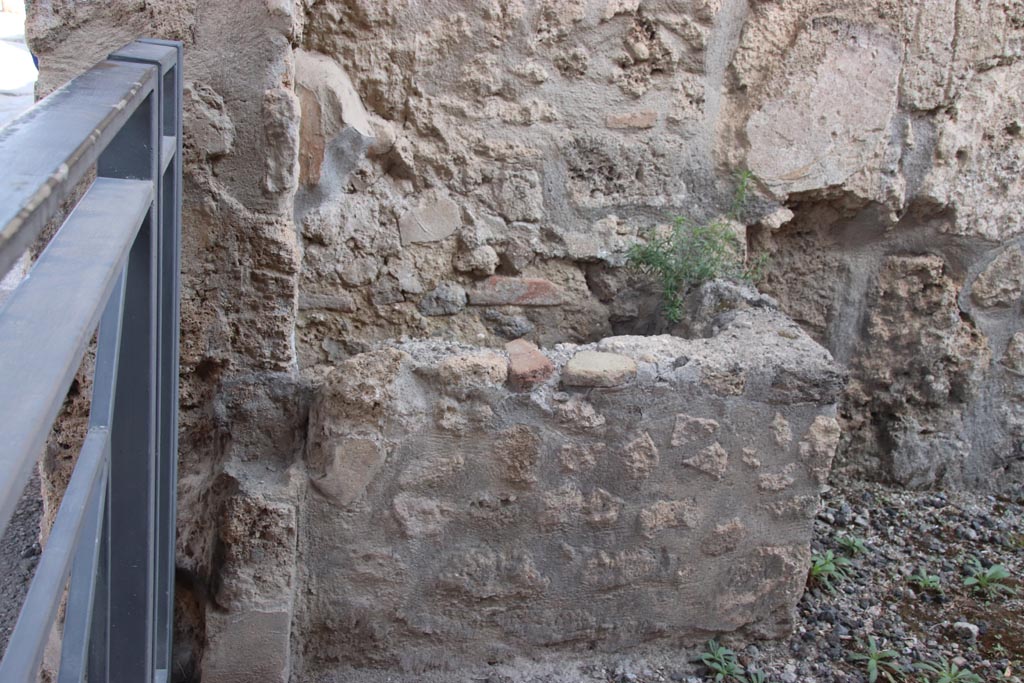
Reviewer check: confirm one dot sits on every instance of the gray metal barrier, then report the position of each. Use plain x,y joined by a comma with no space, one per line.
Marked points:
111,271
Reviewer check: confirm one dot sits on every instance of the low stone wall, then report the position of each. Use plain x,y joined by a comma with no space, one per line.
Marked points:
468,505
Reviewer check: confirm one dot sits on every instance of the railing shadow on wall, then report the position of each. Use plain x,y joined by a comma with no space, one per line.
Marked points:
111,272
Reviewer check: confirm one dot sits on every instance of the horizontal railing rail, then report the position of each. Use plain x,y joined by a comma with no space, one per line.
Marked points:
110,273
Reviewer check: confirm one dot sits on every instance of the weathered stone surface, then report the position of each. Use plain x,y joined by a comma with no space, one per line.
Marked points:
635,119
641,456
527,366
211,131
916,344
350,470
329,104
281,129
713,460
692,429
598,369
834,113
1013,357
447,298
499,290
435,218
247,646
482,260
1002,283
514,497
473,371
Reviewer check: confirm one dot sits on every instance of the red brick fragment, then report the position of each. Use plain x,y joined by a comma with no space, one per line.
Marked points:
500,290
527,366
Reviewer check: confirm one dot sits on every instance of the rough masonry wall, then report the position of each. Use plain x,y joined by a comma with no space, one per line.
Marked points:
360,170
903,254
472,505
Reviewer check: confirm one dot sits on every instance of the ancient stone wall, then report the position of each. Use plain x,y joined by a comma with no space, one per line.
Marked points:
902,255
472,505
364,170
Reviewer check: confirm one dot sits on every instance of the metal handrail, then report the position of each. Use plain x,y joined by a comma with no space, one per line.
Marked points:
112,267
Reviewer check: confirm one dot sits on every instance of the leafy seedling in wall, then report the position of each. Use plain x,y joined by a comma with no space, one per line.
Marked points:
944,671
879,662
989,582
828,568
692,253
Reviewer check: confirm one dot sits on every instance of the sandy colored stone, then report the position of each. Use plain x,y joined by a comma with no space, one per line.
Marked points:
635,119
668,514
350,470
598,369
1013,357
713,460
422,515
826,125
725,538
581,457
781,431
435,218
818,446
250,645
473,371
641,456
581,414
518,451
777,481
689,429
1002,282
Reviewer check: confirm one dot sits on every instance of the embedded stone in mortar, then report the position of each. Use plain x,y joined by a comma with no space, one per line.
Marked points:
597,369
499,290
526,364
434,219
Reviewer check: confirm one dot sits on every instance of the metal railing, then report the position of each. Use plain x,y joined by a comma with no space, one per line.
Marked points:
111,271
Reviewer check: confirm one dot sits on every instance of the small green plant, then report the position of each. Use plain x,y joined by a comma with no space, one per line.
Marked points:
744,179
944,671
827,567
925,581
879,662
989,582
756,677
722,662
692,253
852,545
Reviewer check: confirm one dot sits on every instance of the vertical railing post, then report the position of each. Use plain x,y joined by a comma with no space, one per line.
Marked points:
134,153
167,58
170,257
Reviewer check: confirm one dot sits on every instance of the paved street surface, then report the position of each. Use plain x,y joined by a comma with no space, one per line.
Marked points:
17,72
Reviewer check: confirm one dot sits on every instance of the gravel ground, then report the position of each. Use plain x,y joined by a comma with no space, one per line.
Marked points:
19,553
